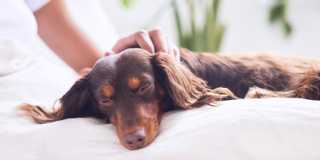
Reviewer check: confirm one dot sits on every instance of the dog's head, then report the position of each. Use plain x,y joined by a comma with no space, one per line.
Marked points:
128,95
131,90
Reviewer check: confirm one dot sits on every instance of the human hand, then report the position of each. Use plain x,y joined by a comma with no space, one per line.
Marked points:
153,41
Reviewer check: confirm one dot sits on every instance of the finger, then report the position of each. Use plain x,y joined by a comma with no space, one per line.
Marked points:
84,71
144,41
158,40
140,39
173,50
124,43
176,52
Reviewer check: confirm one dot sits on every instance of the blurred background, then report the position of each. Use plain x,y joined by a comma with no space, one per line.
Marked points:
281,26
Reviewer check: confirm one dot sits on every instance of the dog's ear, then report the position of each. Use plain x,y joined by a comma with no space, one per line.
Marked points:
77,102
185,89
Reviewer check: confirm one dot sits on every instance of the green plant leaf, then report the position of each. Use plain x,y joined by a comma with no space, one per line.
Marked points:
287,28
127,3
276,13
205,37
215,10
177,18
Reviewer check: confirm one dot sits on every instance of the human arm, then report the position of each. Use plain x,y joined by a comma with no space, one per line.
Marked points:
62,36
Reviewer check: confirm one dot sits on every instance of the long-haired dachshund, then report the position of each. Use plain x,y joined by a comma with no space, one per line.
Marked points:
133,89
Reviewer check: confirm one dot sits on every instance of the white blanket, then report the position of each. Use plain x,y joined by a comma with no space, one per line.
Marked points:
283,129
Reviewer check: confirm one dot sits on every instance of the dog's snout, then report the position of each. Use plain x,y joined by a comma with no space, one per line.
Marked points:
135,139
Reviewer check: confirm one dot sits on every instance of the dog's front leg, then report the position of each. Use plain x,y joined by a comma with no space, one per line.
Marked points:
256,92
222,94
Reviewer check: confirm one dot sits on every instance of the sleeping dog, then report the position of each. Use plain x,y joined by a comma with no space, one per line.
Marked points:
133,89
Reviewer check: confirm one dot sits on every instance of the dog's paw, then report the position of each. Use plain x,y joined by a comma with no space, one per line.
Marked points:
255,92
224,94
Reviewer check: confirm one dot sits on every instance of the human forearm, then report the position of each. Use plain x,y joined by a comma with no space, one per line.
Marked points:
61,35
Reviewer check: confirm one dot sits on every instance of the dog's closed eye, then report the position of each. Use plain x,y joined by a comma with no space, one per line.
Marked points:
106,101
140,85
144,88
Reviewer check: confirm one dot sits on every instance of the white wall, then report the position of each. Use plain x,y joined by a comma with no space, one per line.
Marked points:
248,29
246,20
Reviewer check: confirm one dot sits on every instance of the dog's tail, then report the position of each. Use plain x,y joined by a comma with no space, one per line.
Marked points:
308,86
39,114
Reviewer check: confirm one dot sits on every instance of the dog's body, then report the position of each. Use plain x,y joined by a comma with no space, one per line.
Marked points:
266,75
132,90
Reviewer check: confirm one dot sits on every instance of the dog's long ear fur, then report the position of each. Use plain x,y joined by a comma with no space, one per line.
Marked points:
77,102
184,88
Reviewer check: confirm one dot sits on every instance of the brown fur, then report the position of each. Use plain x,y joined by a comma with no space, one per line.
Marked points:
184,88
166,84
245,74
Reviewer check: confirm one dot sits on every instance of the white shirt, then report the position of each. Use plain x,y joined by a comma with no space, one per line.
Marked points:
18,27
17,21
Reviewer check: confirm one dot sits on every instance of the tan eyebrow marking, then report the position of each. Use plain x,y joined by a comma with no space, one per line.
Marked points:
107,90
134,82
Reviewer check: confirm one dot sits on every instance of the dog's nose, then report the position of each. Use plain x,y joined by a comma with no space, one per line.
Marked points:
135,139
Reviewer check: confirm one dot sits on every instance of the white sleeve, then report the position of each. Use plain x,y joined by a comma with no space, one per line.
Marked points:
34,5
